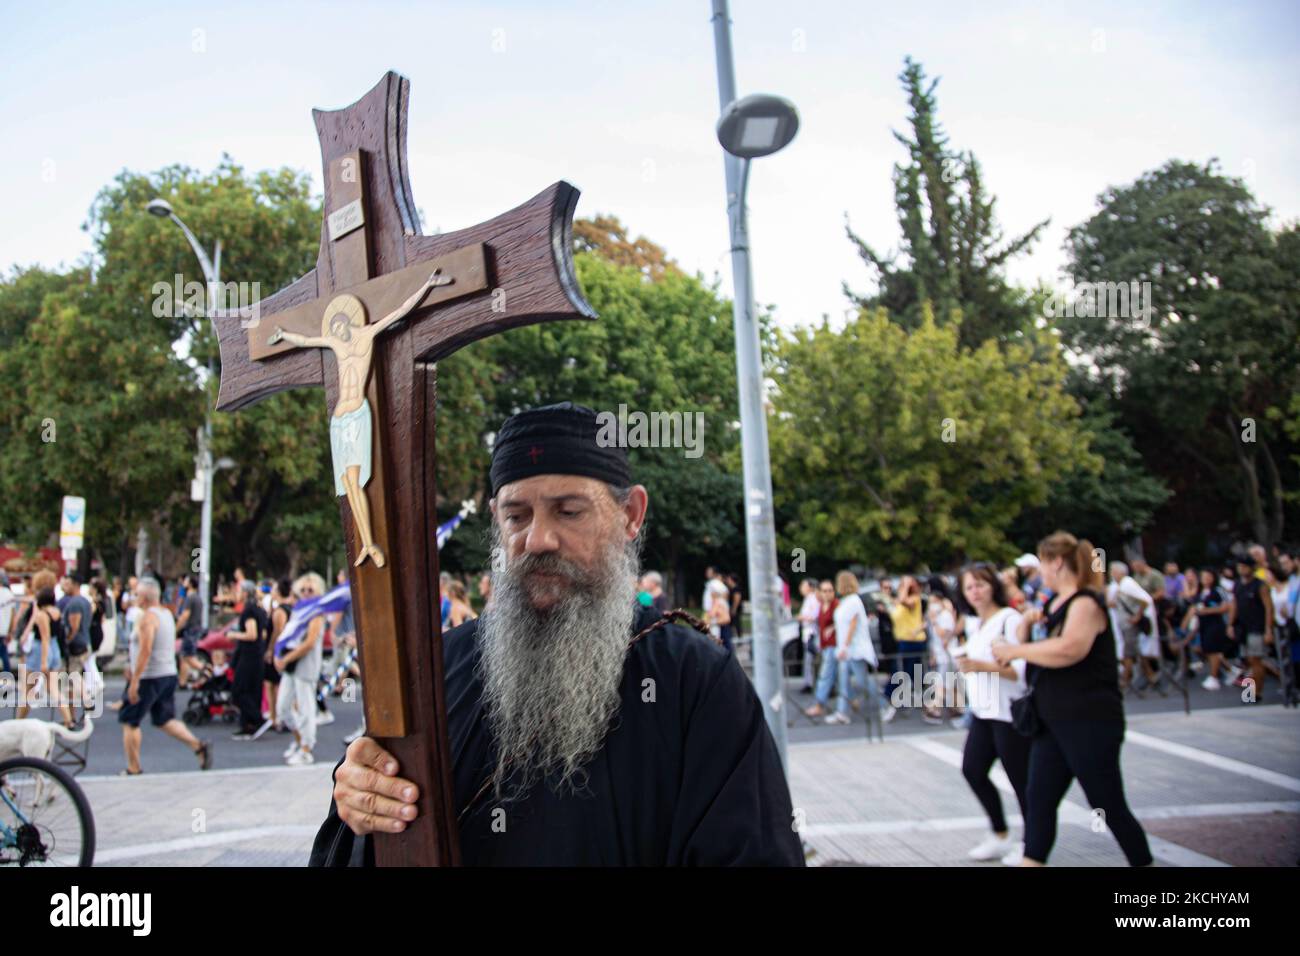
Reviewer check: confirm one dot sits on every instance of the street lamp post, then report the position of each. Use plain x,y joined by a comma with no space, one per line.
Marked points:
203,460
748,128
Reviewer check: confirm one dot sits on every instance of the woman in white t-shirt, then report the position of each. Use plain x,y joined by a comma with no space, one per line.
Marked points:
853,648
808,612
990,689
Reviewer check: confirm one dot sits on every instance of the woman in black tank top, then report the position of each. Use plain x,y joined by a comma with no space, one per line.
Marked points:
1088,689
1072,675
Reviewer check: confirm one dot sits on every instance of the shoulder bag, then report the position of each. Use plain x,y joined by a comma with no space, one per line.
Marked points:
1024,712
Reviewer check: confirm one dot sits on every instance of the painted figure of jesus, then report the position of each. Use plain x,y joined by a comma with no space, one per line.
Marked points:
344,330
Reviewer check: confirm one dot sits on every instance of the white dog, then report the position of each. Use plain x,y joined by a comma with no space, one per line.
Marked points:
30,737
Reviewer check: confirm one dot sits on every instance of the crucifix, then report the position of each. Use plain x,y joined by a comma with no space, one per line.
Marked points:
427,297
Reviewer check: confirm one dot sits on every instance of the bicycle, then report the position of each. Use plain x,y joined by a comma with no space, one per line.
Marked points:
45,819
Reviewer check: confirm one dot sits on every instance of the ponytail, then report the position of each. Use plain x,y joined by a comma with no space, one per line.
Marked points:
1077,555
1090,577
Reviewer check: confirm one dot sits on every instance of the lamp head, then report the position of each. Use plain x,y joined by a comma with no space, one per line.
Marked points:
757,125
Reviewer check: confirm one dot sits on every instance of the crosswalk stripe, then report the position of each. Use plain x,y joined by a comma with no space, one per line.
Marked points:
1218,761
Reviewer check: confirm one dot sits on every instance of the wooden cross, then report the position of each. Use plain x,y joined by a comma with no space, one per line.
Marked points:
510,271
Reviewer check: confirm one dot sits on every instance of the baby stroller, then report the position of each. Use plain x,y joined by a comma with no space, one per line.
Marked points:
213,696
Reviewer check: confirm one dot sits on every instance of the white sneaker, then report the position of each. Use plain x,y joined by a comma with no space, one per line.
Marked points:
291,750
356,734
994,847
324,718
301,759
889,714
1211,683
1016,855
836,718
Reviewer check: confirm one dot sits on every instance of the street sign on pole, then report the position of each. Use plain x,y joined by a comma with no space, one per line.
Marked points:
72,528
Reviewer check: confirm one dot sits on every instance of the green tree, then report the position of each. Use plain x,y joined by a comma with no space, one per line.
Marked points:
84,410
28,498
1110,505
275,504
108,362
900,448
953,249
1201,373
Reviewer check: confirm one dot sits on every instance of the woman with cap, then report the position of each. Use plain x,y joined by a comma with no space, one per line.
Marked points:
1031,582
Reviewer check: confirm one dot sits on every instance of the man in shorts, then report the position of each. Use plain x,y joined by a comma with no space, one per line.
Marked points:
1251,622
151,680
77,614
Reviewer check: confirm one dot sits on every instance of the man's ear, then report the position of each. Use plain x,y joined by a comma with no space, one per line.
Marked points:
634,510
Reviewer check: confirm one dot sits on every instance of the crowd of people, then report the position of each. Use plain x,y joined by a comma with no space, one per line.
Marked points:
1033,660
57,627
53,625
722,602
61,628
275,686
1048,631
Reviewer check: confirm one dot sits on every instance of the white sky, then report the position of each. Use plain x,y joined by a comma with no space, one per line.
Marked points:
1057,100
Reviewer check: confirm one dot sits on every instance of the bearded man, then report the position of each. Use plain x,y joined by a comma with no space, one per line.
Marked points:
579,736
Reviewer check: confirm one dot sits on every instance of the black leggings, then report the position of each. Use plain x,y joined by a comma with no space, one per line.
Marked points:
1088,750
991,740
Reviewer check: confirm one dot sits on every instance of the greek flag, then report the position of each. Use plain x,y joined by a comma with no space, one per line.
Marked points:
446,528
304,612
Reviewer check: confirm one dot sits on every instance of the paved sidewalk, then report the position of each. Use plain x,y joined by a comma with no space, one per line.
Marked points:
264,816
1215,788
1211,789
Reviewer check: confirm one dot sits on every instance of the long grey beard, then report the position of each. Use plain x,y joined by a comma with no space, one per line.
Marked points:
551,678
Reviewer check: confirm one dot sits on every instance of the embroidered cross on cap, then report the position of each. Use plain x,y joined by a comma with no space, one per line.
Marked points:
555,440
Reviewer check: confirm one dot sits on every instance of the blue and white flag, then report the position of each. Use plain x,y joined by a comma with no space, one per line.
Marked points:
446,528
304,612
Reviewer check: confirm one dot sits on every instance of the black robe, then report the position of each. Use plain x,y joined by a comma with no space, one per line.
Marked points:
688,776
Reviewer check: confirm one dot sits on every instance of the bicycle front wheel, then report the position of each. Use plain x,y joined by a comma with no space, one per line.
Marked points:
45,819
